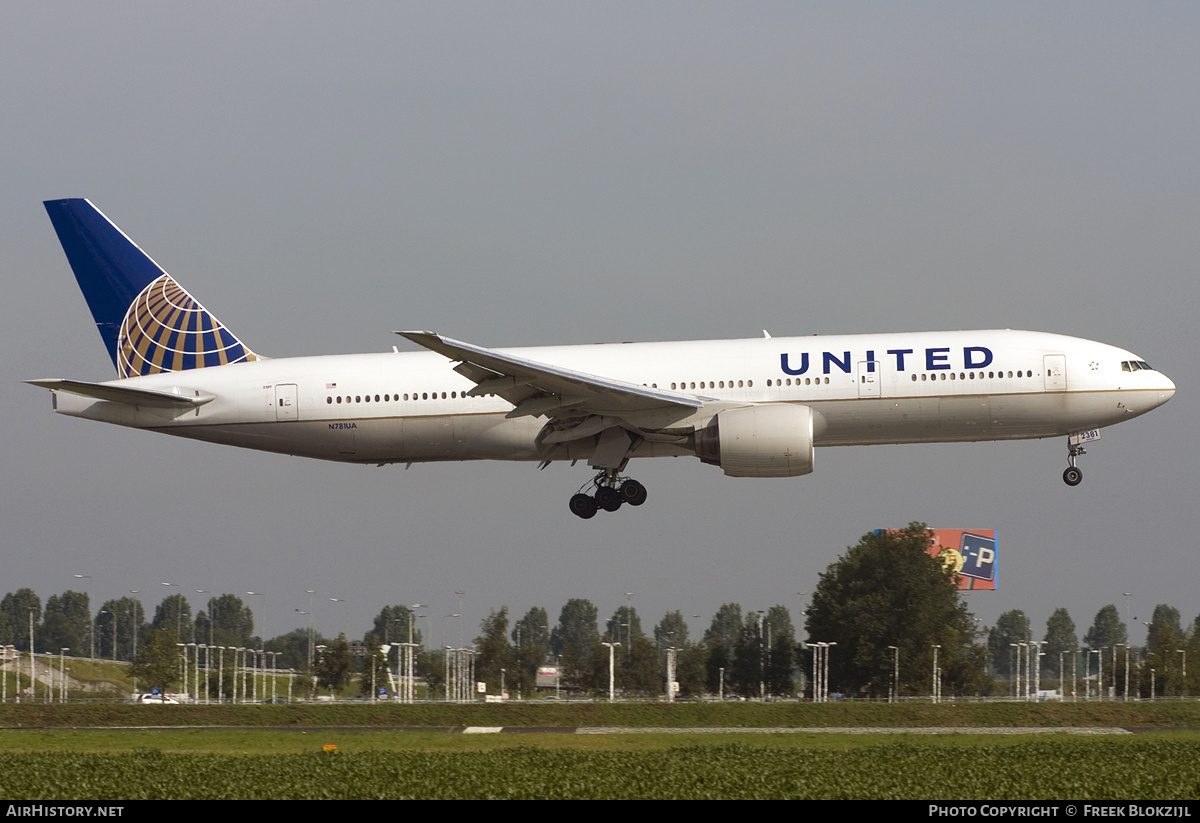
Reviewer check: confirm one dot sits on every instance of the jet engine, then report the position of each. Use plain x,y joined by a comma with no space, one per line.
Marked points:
772,440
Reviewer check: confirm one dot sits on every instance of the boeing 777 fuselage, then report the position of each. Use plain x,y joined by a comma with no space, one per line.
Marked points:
755,407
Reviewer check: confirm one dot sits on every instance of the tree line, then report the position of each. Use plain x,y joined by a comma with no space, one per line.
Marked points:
1104,656
890,615
119,626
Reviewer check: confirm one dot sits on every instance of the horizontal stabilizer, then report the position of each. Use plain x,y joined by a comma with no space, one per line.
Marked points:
129,396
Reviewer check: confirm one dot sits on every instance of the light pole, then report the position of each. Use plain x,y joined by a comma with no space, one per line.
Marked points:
611,690
310,593
935,673
183,664
628,625
346,624
1126,672
1013,668
136,622
895,692
195,647
1022,670
821,670
275,656
238,680
410,656
308,656
825,677
1114,668
762,692
460,614
93,646
318,660
32,669
671,674
1036,666
10,653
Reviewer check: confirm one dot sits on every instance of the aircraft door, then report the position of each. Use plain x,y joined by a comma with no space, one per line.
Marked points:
870,374
286,406
1056,372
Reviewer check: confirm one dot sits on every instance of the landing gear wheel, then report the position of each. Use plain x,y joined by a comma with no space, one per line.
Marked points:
583,505
633,492
1072,476
608,498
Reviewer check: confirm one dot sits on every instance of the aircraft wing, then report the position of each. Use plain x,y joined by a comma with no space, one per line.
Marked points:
542,389
125,394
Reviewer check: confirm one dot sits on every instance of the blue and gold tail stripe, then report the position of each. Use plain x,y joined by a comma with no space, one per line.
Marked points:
167,330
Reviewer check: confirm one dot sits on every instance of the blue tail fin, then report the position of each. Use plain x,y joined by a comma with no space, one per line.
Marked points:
149,323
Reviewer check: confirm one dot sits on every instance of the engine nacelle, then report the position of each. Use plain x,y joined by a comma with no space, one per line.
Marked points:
774,440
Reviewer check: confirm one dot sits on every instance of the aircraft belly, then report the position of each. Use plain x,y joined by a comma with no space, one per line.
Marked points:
1053,414
468,437
879,420
975,417
390,439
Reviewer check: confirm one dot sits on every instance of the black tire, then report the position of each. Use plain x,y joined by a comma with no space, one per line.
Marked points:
1072,476
633,492
583,505
608,498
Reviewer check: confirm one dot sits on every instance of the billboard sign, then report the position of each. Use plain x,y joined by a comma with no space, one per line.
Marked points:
971,553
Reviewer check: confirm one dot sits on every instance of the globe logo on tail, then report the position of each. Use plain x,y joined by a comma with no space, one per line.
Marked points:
167,330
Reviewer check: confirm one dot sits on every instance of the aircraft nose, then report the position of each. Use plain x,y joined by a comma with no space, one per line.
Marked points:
1167,391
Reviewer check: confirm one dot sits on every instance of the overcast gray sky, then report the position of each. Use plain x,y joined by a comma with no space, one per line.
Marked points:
536,173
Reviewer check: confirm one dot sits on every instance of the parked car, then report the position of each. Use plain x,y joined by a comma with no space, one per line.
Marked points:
160,699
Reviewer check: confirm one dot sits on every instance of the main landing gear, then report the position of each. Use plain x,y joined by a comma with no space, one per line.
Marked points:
611,491
1073,476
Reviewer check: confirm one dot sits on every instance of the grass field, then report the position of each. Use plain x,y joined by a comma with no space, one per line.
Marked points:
1156,714
276,752
124,765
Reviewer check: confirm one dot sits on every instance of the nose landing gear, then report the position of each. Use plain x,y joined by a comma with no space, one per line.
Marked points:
611,492
1073,476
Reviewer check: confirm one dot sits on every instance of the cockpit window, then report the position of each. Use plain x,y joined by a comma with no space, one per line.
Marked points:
1135,365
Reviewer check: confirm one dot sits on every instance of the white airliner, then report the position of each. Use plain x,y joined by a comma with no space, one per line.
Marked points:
754,407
